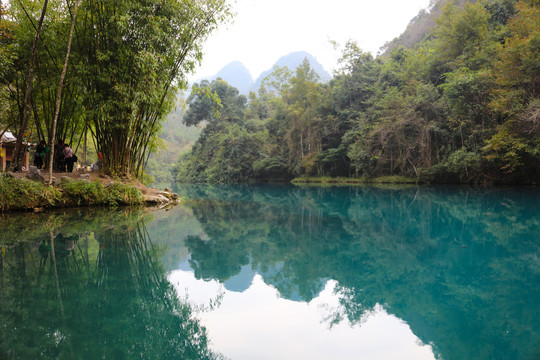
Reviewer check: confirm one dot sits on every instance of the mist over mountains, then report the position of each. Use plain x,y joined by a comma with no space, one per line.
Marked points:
237,75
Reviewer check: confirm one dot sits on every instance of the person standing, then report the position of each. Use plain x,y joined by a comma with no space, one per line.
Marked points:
59,156
39,156
68,158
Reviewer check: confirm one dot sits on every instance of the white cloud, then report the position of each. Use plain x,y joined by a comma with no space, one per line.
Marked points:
265,30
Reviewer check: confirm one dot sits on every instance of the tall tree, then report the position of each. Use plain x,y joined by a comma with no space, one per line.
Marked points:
60,86
136,57
303,137
27,105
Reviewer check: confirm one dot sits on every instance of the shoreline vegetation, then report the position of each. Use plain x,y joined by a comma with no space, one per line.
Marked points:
23,194
395,179
19,193
460,105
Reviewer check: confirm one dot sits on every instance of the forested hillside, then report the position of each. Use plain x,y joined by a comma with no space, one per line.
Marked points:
174,140
462,105
422,24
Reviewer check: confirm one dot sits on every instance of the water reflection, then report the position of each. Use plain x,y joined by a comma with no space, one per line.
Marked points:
267,326
455,269
89,286
460,266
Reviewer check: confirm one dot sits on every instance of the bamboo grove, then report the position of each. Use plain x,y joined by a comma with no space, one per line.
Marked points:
462,105
128,60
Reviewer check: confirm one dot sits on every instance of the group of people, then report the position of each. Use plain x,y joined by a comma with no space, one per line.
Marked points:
64,158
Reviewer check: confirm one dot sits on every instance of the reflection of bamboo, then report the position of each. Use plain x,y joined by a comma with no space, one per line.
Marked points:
42,263
85,256
58,293
2,252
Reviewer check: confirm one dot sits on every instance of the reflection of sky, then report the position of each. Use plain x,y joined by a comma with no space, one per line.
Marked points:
258,324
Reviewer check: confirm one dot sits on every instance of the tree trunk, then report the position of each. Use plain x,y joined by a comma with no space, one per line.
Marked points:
85,143
27,105
59,94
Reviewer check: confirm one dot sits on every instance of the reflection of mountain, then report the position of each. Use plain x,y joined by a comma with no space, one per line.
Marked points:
459,266
165,229
241,281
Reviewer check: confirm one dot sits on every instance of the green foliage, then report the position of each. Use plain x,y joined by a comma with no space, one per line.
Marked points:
177,139
467,94
21,194
270,168
83,192
461,106
466,164
7,59
128,60
517,69
229,145
228,156
505,148
460,33
204,104
394,179
148,50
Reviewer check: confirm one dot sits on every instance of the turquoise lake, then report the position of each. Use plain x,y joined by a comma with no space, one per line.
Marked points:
278,272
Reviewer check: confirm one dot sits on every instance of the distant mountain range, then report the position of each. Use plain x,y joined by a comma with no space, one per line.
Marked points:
237,75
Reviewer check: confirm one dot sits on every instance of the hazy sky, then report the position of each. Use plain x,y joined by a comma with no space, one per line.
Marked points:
265,30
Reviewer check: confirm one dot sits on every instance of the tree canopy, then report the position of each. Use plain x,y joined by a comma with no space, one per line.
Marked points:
128,60
459,106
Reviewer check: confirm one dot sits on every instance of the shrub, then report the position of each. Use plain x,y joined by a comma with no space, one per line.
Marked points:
16,194
83,192
22,194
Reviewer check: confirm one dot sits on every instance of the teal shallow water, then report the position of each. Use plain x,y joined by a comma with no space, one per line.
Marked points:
279,272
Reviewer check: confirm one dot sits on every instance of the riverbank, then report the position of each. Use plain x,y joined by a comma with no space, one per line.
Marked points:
396,179
27,192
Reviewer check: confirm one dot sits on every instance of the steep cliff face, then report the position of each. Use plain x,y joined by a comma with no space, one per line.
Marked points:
421,25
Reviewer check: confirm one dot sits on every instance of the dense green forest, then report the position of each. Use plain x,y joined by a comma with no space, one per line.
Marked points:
105,73
462,105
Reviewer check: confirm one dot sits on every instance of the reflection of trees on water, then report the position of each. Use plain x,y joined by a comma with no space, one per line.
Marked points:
92,288
460,266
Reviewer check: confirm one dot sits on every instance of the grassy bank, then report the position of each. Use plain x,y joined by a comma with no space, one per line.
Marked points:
396,179
24,194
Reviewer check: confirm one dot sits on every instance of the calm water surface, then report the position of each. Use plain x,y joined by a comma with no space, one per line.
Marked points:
278,272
